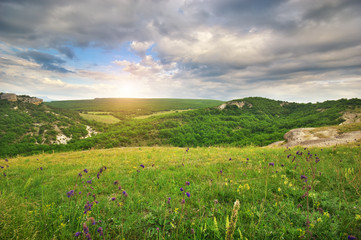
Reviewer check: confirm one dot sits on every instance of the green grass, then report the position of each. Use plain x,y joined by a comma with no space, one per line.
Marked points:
134,106
34,202
160,113
108,119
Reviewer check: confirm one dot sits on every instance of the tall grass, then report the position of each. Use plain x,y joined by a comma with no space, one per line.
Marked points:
173,193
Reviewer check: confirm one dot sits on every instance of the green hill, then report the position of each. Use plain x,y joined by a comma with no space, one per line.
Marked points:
242,122
123,107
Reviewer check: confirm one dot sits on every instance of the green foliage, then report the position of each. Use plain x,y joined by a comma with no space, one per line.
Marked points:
124,107
258,122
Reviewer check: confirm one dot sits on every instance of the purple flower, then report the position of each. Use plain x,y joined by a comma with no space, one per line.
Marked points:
41,168
350,237
116,182
282,165
79,192
80,175
125,194
188,194
168,200
142,165
70,193
183,201
181,189
89,181
6,160
4,174
85,170
120,188
77,234
271,164
230,159
187,183
113,199
1,167
317,159
187,149
304,177
100,231
157,229
85,228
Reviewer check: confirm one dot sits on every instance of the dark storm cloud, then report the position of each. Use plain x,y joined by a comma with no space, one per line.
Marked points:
47,61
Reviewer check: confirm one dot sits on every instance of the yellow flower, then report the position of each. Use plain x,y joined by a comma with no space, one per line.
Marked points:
62,224
358,217
319,220
312,225
285,182
279,189
326,214
317,204
246,186
290,185
176,210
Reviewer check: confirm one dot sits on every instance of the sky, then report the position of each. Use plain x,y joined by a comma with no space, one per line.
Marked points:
296,50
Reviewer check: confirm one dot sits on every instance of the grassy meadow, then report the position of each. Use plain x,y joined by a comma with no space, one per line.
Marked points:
103,118
179,193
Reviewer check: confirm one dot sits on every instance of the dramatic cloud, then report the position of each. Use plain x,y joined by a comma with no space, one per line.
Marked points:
295,50
47,61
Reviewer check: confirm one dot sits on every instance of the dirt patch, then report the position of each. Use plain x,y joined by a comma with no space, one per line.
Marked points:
324,136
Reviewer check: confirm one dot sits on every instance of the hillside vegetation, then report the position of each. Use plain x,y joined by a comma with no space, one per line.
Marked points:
249,121
124,107
173,193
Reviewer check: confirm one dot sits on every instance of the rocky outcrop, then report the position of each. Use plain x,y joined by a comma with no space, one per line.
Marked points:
236,103
11,97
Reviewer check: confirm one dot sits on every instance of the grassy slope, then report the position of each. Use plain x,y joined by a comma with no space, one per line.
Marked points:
107,119
134,106
34,203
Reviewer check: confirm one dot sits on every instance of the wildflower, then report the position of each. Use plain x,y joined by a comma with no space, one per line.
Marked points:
113,199
85,170
246,186
188,194
89,181
326,214
216,201
230,159
6,160
116,183
304,177
119,188
282,165
80,175
279,189
85,228
142,165
358,217
176,210
319,219
168,200
100,231
317,160
70,193
181,189
125,193
183,201
157,229
79,192
77,234
350,237
187,149
41,168
187,183
271,164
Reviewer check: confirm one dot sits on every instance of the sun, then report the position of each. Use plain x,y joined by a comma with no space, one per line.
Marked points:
127,89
